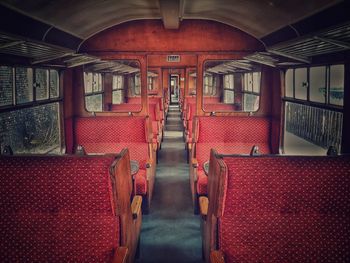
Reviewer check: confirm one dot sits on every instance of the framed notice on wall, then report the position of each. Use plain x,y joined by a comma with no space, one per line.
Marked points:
173,58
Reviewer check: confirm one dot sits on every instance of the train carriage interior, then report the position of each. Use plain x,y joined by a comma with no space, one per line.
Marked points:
174,131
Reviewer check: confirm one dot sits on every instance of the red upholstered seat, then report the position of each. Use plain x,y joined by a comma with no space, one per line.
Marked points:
227,135
126,107
284,209
57,209
231,129
111,135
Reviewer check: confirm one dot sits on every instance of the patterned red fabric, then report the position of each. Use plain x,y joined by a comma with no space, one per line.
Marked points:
203,149
56,209
134,100
219,107
109,129
137,151
234,129
140,185
286,209
211,100
113,135
126,107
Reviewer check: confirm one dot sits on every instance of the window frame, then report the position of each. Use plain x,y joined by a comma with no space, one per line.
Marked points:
118,89
34,102
326,104
94,93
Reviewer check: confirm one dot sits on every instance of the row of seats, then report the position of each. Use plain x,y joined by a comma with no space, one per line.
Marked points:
229,135
68,209
110,134
276,209
157,113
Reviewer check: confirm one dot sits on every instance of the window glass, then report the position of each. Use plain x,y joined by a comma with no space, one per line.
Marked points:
117,97
137,88
251,102
54,84
88,82
32,130
150,83
235,83
94,102
311,130
318,84
229,81
96,82
336,85
24,85
289,83
228,88
6,86
256,82
229,96
301,83
248,82
41,84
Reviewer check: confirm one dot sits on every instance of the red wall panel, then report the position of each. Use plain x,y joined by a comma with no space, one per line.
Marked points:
192,36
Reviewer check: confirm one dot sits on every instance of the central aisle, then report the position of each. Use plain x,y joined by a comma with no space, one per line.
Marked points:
171,232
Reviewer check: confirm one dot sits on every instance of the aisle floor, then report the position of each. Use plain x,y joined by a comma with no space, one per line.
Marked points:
171,232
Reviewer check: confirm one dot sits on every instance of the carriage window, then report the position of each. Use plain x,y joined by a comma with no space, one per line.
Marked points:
318,84
117,89
301,83
325,84
235,86
209,85
113,85
24,85
41,84
289,83
336,85
54,84
310,128
229,93
137,84
30,129
6,84
152,82
93,91
251,91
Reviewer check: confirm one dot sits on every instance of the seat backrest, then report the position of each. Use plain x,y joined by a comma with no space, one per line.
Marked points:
110,129
203,149
228,129
154,111
126,107
285,209
57,209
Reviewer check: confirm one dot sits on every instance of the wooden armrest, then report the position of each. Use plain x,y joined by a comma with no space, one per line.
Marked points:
120,255
189,146
194,163
216,256
203,206
136,206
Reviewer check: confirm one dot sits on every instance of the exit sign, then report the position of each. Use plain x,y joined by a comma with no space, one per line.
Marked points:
173,58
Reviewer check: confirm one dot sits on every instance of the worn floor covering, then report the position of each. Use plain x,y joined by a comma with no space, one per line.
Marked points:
171,232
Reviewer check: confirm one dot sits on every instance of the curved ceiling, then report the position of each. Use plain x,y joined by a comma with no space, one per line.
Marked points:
84,18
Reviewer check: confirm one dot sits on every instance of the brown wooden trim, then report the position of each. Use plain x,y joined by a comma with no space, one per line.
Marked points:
216,256
120,255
